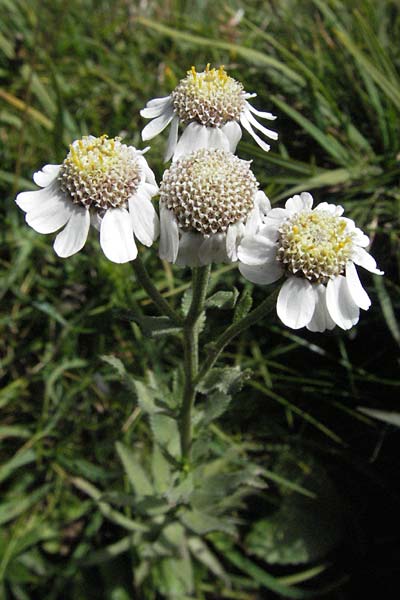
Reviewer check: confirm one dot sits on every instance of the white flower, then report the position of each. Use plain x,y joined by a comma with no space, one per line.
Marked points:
208,201
210,105
101,182
317,250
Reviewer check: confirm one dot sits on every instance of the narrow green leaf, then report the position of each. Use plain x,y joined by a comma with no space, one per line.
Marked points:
387,308
249,54
18,460
202,523
243,305
134,471
13,508
222,299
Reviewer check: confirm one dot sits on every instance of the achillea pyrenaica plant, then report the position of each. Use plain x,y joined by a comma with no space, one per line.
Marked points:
211,211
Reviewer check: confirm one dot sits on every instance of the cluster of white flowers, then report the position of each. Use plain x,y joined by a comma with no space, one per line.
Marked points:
211,209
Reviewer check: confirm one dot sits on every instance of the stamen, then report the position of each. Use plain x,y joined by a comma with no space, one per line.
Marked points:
315,245
100,172
211,97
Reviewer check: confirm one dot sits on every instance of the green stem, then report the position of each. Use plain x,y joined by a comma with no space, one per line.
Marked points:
145,280
233,330
200,277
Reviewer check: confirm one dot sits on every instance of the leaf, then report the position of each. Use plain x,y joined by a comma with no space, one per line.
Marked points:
157,326
392,418
249,54
134,471
186,301
228,380
326,141
105,509
262,577
202,553
303,529
7,431
243,305
223,299
18,460
109,552
202,523
387,308
166,433
115,363
145,397
215,406
161,471
13,508
175,574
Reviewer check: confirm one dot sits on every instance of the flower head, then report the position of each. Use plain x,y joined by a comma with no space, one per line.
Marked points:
316,250
103,182
210,105
207,200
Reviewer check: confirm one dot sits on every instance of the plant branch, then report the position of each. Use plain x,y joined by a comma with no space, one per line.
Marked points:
233,330
145,280
200,277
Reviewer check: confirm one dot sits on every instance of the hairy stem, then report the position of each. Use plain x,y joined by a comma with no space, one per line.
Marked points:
145,280
233,330
200,277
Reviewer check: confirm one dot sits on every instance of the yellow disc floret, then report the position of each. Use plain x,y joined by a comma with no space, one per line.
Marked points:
210,97
100,172
315,245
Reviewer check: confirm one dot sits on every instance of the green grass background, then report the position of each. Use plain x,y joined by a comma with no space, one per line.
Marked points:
330,71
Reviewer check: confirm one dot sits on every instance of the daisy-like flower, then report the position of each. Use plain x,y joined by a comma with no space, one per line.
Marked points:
210,105
317,250
208,201
101,182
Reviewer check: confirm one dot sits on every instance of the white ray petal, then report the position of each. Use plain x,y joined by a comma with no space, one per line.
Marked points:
256,250
50,215
217,139
156,109
261,274
116,236
234,234
267,132
30,200
276,216
158,124
244,121
359,238
145,223
299,202
356,290
169,235
46,175
74,235
172,139
213,249
333,209
233,132
341,306
194,137
147,173
260,113
321,319
361,257
296,302
189,247
263,203
270,232
158,101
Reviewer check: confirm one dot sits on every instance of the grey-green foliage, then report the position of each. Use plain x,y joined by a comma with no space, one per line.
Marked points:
303,529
